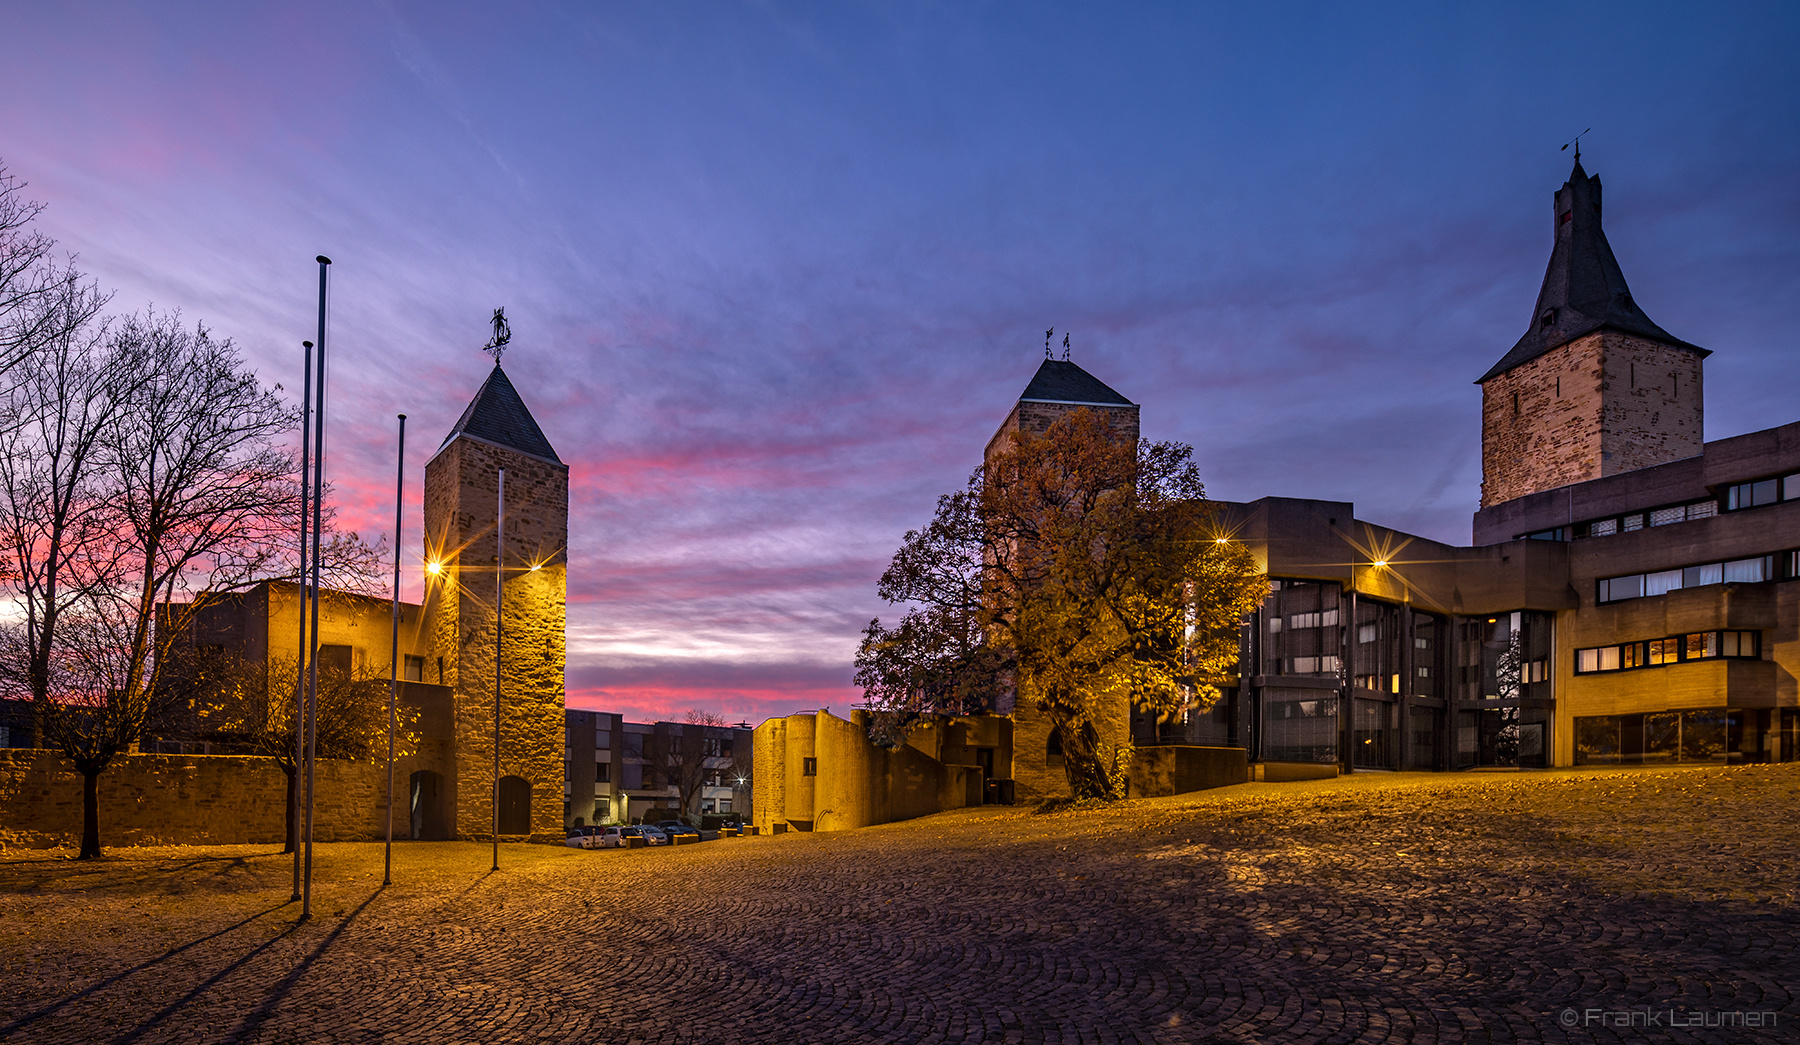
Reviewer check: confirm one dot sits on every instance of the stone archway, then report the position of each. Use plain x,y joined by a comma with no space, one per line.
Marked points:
514,798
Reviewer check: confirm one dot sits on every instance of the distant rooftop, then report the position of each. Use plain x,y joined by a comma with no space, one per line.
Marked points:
1059,381
497,415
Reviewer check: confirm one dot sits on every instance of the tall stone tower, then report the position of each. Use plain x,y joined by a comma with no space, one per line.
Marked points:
1058,388
462,484
1594,388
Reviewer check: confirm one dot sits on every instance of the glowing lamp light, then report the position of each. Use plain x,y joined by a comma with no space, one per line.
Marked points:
1220,540
1380,562
434,567
536,566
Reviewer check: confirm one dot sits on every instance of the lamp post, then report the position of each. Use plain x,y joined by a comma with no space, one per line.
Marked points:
300,643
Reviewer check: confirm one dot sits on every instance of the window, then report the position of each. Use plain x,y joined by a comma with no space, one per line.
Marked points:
809,767
1640,585
1603,527
634,745
1752,495
709,746
724,805
336,660
414,670
1633,522
1674,649
1368,633
602,772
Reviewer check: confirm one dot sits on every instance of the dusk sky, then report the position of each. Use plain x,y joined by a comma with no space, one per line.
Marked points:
776,272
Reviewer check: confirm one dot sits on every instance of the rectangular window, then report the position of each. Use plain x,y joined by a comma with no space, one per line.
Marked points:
1609,658
1790,488
1702,644
1703,510
1665,516
809,767
1631,655
634,778
1664,651
415,669
709,747
634,745
1695,576
724,805
1738,643
1604,527
602,738
603,772
1274,625
1586,660
1367,633
1751,495
1662,582
1634,522
1745,571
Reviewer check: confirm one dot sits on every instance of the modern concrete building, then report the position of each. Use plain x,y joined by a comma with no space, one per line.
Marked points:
616,771
1631,593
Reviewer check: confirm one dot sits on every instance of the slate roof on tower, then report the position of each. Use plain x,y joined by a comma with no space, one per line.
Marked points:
1059,381
1584,290
497,415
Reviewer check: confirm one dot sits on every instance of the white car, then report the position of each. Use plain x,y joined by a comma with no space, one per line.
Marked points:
584,838
614,837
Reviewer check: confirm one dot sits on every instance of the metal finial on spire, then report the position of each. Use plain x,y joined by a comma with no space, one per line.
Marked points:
1575,141
1048,334
1065,347
502,334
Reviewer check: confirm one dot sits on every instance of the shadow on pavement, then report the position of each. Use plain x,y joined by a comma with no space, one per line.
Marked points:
278,993
54,1007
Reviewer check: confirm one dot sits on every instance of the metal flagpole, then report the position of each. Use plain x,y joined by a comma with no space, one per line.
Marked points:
312,676
387,868
499,632
300,646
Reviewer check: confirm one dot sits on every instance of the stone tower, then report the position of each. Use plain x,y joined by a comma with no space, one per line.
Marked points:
1058,388
461,486
1594,388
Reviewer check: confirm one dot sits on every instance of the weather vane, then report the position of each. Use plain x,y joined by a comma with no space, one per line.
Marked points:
1575,141
502,334
1048,334
1065,346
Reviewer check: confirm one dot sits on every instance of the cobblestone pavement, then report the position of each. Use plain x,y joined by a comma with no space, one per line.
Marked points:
1375,908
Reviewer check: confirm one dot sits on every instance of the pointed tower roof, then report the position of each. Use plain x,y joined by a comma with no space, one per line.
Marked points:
1584,290
1060,381
497,415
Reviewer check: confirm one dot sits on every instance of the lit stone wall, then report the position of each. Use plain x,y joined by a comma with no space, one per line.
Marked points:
189,800
461,484
769,780
1600,405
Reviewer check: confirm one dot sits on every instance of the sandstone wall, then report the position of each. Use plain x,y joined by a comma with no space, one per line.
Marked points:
189,800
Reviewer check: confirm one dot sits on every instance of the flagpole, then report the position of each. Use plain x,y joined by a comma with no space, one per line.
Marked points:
387,869
300,644
499,633
312,678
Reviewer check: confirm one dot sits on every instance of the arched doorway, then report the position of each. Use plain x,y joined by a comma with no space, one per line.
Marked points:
430,818
515,805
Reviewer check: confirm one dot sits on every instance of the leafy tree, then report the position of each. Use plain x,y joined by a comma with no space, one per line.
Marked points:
1081,571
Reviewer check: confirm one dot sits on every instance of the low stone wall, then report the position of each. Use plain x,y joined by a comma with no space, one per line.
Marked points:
1274,772
1176,769
185,800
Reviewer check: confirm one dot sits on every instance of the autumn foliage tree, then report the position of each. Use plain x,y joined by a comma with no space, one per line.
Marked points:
1078,569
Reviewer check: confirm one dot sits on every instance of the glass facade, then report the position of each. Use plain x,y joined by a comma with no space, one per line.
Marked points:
1704,735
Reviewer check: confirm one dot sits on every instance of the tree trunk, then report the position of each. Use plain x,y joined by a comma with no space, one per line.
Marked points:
90,815
293,824
1081,760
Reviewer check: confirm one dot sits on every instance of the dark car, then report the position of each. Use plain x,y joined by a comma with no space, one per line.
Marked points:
676,827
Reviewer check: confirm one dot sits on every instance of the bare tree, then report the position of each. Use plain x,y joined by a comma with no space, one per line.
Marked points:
685,759
35,291
198,492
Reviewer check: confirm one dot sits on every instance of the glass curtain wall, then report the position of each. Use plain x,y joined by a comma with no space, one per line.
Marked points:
1300,641
1503,690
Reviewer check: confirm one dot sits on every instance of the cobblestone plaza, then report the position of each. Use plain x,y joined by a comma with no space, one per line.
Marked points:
1371,908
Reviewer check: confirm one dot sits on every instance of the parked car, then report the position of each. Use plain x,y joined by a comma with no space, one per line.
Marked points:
584,838
614,837
676,827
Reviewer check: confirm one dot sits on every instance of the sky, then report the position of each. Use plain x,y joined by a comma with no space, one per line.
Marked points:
776,271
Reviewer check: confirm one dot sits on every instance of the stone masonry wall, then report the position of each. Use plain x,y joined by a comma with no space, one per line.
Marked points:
460,511
187,800
1600,405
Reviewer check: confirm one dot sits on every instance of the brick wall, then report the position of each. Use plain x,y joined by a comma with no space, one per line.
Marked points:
1600,405
188,800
